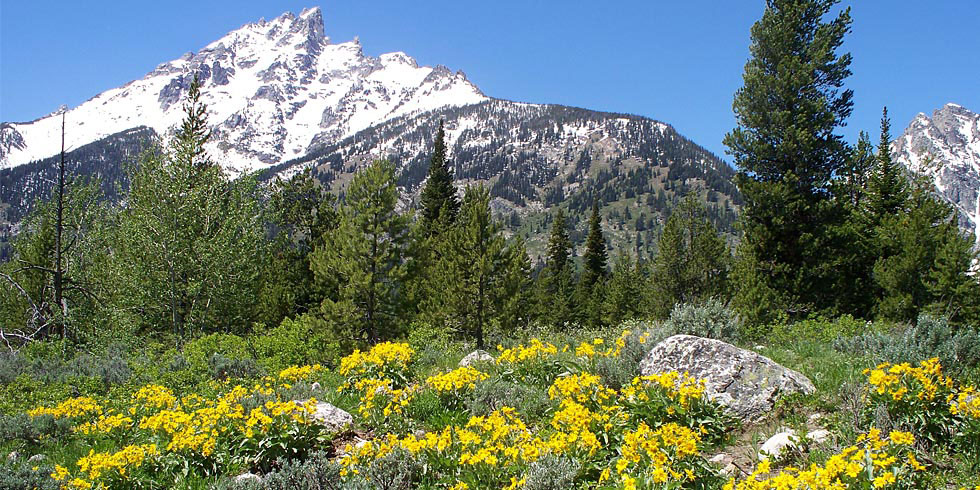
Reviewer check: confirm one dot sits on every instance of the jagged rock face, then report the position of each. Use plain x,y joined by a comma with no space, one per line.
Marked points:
946,148
745,383
271,88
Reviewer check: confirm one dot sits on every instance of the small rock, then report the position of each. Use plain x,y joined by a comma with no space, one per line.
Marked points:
248,477
360,443
745,383
775,446
476,356
13,456
36,459
730,470
818,436
720,459
330,416
759,347
315,386
814,418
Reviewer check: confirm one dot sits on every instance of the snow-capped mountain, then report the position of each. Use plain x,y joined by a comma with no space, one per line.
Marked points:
273,89
282,98
946,147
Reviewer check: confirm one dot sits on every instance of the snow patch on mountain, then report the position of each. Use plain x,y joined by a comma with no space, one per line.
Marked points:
946,148
273,88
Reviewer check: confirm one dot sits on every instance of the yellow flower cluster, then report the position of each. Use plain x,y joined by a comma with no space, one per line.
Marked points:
155,397
293,374
381,358
72,408
95,464
593,349
104,424
456,380
681,388
876,459
656,452
581,388
900,381
966,403
535,350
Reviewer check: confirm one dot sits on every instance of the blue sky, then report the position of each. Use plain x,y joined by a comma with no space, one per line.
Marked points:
678,62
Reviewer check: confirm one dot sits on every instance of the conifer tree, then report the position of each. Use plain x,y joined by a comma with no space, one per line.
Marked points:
788,154
301,212
595,257
190,238
364,257
438,197
555,283
473,270
625,290
692,262
888,188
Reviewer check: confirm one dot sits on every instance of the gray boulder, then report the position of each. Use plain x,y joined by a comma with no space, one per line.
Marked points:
476,356
746,383
330,416
248,478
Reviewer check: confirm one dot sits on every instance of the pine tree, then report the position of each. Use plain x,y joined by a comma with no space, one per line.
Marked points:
625,290
364,257
788,154
473,271
860,165
559,245
190,238
595,257
556,283
438,197
692,262
888,188
301,212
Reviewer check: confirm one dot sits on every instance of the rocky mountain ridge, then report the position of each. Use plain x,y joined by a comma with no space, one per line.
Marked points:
946,148
273,89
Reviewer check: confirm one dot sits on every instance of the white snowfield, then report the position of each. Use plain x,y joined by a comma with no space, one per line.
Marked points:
272,88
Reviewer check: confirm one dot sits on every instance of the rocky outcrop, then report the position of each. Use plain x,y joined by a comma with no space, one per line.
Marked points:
946,149
745,383
475,356
329,416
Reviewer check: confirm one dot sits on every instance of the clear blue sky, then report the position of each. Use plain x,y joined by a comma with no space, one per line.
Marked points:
679,61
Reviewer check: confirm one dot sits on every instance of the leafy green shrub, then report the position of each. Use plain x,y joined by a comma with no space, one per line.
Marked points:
491,395
295,342
711,319
820,328
24,428
957,349
551,472
317,472
21,475
222,368
198,352
433,345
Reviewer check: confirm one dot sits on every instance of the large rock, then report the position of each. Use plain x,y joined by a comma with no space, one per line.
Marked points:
476,356
330,416
744,382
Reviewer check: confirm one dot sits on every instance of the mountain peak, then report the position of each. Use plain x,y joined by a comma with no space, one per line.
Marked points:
273,88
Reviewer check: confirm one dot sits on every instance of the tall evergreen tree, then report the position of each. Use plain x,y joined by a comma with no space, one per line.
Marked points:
439,195
364,257
888,185
474,286
625,290
788,153
693,261
595,258
302,213
556,283
190,237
